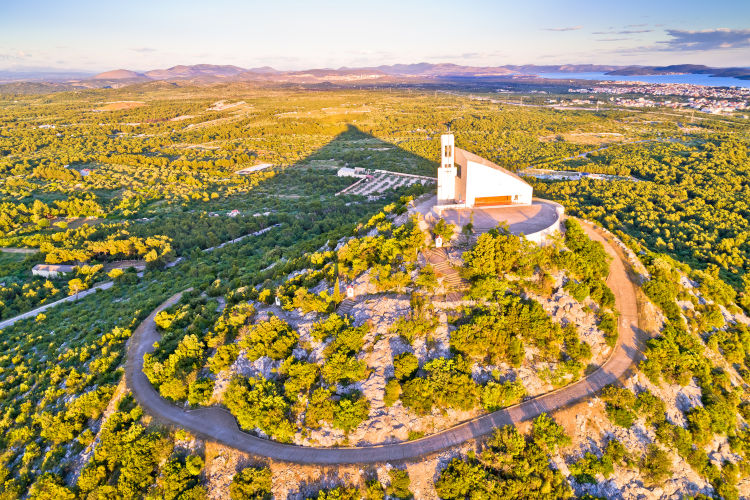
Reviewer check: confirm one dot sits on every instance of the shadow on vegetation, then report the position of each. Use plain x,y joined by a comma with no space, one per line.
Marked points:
358,149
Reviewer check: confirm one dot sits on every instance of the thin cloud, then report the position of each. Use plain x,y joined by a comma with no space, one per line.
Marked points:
18,55
467,55
565,28
143,50
611,39
621,32
721,38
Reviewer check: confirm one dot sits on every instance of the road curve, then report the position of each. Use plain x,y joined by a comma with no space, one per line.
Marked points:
219,425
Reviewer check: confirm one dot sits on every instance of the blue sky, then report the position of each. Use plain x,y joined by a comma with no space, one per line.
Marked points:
285,34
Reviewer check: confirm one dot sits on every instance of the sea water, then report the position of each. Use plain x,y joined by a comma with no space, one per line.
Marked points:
693,79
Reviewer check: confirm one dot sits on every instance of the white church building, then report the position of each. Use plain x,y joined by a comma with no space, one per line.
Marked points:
466,180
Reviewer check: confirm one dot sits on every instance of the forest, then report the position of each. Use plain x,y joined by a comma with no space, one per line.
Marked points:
690,200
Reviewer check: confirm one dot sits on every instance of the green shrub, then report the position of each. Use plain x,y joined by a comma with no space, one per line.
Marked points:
620,404
405,365
300,376
672,356
339,493
608,324
345,414
350,412
200,391
444,230
426,280
180,479
341,367
548,434
273,338
257,402
392,392
498,252
579,291
417,326
509,466
224,357
251,483
496,395
655,465
341,356
400,483
373,490
496,333
49,486
586,469
447,384
461,480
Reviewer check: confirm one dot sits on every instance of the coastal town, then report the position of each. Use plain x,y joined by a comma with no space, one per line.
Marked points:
715,100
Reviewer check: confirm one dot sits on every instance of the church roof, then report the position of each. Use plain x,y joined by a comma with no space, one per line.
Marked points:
462,156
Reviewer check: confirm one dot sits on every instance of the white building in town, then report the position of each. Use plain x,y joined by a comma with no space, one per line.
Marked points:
467,180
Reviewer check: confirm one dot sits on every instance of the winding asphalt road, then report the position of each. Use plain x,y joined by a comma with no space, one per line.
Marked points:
218,424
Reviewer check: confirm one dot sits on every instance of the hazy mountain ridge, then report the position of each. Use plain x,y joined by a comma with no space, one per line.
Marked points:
211,73
118,74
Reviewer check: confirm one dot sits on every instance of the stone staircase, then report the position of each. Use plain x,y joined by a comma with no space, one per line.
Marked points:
452,280
435,255
346,306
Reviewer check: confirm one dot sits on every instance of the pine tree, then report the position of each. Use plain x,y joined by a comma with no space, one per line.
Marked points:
337,285
337,291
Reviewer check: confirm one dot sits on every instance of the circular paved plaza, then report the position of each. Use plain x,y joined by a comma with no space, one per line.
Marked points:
527,219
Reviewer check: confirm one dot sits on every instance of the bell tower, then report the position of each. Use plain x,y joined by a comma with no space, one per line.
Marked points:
446,194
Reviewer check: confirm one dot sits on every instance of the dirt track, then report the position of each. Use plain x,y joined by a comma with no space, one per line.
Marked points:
219,425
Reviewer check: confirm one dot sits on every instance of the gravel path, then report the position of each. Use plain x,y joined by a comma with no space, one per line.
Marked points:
70,298
219,425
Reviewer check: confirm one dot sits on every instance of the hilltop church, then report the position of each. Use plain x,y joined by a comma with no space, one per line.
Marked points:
466,180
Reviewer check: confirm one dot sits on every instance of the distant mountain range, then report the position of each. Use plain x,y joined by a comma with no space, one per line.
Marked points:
210,73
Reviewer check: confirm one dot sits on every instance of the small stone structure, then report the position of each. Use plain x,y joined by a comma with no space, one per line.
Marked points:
51,270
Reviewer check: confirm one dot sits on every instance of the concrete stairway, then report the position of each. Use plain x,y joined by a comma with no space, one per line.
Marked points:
435,255
346,306
452,280
455,281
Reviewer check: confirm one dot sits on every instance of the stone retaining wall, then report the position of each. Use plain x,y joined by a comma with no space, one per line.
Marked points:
540,237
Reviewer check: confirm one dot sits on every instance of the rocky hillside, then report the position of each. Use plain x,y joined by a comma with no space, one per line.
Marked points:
675,427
